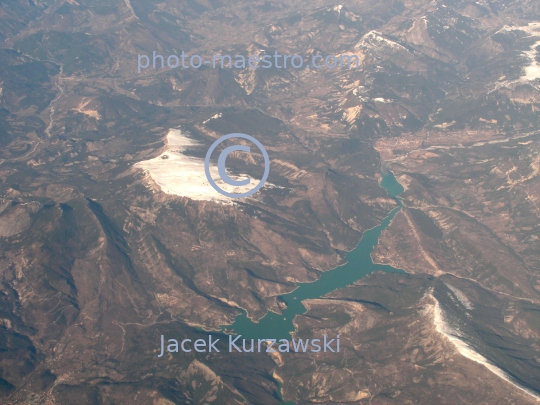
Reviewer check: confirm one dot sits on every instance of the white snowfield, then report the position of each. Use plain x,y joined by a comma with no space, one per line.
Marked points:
454,336
178,174
532,71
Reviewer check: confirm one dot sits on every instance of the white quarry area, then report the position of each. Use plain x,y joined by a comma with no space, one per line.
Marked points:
178,174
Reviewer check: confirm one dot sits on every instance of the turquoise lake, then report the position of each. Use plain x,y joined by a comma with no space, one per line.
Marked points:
358,265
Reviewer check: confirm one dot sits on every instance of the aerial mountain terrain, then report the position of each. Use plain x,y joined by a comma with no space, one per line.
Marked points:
108,240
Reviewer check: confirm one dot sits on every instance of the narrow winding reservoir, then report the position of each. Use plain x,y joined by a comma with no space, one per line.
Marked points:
359,264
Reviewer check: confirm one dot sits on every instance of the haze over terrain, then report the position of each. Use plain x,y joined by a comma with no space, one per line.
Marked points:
111,236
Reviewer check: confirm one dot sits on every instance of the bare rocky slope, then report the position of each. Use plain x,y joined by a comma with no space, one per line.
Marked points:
97,260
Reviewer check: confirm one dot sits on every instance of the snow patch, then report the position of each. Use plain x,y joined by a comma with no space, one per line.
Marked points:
375,39
182,175
532,71
466,350
216,116
462,298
